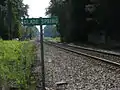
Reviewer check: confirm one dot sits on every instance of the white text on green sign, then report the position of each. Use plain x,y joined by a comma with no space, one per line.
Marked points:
49,21
31,21
40,21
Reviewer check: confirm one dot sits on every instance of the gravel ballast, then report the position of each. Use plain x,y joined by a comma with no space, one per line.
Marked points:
80,72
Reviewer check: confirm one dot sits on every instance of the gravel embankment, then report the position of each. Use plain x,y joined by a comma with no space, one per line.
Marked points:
81,73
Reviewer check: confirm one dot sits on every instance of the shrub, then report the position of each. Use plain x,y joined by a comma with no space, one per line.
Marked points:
16,59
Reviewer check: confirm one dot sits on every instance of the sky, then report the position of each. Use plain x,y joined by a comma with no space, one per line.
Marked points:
37,7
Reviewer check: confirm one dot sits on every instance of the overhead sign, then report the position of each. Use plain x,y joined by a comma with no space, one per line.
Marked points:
40,21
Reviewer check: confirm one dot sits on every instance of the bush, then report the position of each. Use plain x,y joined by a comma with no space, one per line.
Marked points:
16,59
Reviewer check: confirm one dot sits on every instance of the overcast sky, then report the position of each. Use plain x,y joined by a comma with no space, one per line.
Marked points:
37,7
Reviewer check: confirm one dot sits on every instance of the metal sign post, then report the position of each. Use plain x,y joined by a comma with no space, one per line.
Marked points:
42,58
41,21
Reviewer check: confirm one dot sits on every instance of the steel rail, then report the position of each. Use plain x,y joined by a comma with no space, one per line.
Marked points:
81,53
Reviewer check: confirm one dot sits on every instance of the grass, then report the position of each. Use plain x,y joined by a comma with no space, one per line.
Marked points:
56,39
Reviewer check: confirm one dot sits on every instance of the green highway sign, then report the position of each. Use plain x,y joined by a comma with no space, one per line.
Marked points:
40,21
31,21
49,21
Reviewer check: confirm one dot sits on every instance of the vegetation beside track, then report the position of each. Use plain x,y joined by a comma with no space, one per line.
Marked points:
56,39
16,59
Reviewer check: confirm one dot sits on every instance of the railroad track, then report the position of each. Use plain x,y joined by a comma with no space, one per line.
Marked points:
103,55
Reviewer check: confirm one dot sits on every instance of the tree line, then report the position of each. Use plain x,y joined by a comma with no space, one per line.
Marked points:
79,18
11,14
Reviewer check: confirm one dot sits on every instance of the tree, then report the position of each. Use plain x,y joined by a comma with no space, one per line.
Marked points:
10,16
79,18
28,32
50,31
71,13
60,8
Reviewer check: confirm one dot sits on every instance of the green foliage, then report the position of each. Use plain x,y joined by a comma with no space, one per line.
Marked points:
50,31
56,39
16,59
11,12
28,32
58,8
80,18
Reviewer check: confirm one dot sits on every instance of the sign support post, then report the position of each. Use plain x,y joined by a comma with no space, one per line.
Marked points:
42,57
41,21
